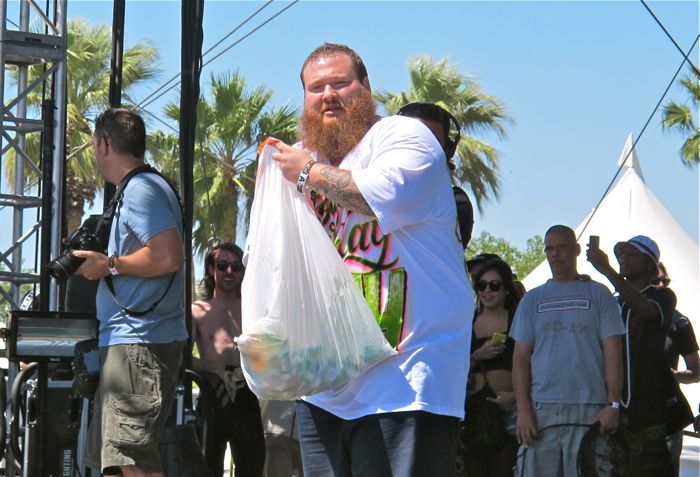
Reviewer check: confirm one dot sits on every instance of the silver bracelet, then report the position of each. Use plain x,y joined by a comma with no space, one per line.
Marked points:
304,175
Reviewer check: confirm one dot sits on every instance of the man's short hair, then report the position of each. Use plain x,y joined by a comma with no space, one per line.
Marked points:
208,284
124,129
566,231
327,50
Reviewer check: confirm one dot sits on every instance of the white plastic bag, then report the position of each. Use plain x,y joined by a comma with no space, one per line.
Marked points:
306,326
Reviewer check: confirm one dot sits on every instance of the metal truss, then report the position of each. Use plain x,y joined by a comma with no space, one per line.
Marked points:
33,43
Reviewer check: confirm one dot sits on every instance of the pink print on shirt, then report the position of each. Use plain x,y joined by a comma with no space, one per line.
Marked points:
368,254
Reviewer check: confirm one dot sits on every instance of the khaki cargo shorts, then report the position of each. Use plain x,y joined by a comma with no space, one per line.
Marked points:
132,402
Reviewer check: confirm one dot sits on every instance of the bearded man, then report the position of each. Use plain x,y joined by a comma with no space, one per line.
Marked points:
382,190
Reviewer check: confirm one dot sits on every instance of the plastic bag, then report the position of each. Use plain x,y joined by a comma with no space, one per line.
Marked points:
306,326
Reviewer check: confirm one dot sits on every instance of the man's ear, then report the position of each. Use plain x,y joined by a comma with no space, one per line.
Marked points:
365,83
578,249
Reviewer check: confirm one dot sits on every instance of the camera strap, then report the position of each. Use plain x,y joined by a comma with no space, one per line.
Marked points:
105,225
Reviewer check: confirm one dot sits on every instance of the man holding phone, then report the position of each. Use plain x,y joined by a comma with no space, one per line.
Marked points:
567,364
654,404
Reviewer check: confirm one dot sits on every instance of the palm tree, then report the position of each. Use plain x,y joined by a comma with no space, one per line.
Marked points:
679,117
231,123
436,81
89,52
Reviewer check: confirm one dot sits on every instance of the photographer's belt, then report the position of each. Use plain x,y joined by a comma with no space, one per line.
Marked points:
105,224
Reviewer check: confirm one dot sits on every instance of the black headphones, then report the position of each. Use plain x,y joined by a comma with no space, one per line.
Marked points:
433,112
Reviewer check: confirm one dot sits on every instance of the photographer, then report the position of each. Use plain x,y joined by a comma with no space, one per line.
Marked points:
651,396
142,327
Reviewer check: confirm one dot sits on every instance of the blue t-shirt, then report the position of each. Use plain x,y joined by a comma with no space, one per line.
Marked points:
564,324
147,208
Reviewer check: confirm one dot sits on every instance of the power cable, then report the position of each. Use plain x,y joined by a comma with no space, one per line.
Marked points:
634,144
169,126
239,26
252,31
152,97
146,103
678,47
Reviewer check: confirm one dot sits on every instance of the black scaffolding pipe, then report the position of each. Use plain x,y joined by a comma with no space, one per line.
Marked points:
47,149
191,68
115,77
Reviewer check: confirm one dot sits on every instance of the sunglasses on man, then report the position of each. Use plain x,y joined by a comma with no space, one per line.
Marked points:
222,265
493,285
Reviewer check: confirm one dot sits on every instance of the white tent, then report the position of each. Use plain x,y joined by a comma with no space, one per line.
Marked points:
630,209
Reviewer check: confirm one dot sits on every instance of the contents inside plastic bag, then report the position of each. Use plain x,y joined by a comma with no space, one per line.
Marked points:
306,326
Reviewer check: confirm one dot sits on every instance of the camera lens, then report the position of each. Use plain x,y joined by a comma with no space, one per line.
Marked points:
64,266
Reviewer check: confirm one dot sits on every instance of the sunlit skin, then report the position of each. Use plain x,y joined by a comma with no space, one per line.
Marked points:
493,318
633,263
562,252
329,83
217,321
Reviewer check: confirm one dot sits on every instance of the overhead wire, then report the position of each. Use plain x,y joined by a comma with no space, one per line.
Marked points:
675,43
153,97
146,103
639,136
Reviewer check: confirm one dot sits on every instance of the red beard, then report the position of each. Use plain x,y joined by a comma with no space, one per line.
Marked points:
336,137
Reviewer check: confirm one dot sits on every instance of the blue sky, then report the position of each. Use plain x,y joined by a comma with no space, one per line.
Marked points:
576,77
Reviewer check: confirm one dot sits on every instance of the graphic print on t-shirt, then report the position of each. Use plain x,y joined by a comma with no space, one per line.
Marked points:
368,254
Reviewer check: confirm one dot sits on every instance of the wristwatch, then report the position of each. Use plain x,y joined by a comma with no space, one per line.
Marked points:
614,404
112,266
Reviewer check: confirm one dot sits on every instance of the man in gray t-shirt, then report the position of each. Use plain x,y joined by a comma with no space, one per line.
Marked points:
567,365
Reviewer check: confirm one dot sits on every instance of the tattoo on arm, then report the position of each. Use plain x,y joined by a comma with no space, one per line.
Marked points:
338,186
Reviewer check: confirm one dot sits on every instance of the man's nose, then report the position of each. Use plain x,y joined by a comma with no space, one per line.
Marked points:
329,91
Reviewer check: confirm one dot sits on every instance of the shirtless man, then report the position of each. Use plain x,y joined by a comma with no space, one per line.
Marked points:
234,417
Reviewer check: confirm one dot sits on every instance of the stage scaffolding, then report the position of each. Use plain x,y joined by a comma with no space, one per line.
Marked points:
33,41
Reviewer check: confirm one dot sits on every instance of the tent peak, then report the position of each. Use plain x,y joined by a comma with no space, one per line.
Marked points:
630,161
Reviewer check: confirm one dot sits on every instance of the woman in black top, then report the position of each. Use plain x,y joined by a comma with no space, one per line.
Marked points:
491,365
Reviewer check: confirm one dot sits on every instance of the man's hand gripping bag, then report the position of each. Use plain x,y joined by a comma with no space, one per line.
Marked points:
306,326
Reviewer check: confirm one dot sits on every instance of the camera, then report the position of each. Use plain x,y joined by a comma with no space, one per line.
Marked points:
66,265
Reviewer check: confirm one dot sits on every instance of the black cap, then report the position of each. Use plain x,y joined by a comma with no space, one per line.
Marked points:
481,258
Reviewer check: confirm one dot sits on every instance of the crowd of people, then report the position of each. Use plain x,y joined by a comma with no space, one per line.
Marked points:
488,380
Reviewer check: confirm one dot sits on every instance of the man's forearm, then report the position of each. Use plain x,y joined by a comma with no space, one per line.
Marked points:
692,372
639,304
338,186
612,356
161,255
522,379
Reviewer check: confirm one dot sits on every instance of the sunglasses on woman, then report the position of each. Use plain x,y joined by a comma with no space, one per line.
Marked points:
494,285
222,266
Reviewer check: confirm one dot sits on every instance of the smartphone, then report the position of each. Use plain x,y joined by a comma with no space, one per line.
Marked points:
594,242
499,337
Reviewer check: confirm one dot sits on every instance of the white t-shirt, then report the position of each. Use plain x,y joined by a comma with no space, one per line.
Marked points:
410,265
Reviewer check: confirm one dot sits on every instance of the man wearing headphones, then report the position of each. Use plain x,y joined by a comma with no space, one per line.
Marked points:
446,130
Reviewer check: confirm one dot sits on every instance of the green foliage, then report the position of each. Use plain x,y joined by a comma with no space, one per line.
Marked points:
232,120
436,81
87,88
521,261
682,119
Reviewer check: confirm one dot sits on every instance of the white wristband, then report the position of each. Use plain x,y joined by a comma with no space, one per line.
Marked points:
304,175
112,266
